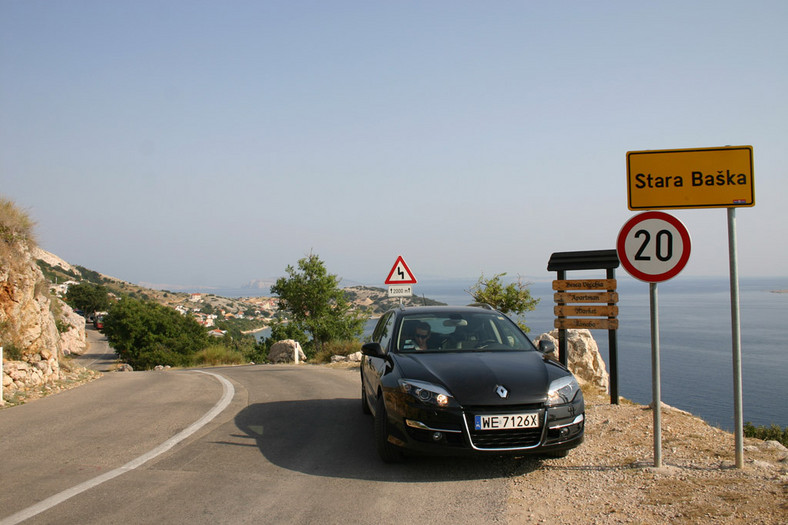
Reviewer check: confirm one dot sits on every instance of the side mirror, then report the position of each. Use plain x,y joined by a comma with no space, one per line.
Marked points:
372,350
546,346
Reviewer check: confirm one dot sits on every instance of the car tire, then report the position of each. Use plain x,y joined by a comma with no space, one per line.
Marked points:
388,453
364,403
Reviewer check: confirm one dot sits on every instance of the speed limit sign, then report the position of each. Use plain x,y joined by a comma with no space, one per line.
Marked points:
653,246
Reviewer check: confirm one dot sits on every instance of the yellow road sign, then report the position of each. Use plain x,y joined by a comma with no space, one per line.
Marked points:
690,178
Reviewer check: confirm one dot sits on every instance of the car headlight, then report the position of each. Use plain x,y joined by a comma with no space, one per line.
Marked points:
562,390
427,393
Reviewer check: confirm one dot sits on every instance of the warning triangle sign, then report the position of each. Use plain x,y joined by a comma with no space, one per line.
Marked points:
400,273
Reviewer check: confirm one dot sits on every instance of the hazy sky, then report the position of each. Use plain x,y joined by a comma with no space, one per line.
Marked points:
216,142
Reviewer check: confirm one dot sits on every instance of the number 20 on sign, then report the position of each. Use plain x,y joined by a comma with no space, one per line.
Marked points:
653,246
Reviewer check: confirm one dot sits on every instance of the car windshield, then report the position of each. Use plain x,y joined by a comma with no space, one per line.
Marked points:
458,331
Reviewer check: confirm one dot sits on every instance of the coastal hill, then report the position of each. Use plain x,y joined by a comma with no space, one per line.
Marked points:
373,301
39,328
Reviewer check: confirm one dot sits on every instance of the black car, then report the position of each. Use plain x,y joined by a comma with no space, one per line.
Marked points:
454,380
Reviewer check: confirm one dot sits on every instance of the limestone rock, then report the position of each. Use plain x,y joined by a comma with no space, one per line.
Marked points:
27,317
284,352
583,358
351,358
73,340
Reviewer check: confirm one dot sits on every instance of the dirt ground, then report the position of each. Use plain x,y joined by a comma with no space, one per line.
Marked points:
611,477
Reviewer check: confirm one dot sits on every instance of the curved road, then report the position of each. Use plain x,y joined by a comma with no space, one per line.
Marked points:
99,356
292,446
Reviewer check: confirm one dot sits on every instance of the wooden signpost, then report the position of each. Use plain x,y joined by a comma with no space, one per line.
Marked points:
570,314
587,303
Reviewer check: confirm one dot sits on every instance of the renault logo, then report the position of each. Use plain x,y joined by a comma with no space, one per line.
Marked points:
501,391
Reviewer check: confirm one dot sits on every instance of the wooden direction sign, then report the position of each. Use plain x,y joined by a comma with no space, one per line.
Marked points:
585,297
584,284
586,311
563,323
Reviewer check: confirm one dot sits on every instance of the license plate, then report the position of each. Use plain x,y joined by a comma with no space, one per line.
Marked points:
507,421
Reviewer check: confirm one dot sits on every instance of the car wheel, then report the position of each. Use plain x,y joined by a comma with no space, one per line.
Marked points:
388,453
364,404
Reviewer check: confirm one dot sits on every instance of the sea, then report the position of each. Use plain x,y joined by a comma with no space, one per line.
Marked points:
696,349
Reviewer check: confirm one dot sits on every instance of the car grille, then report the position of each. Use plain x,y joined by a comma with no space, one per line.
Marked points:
504,439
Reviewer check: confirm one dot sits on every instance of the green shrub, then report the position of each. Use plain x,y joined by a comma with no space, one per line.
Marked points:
218,354
62,326
332,348
145,334
769,433
11,352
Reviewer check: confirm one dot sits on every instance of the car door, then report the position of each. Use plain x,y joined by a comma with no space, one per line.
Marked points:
373,367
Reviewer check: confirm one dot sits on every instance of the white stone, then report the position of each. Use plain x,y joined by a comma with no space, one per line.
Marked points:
284,351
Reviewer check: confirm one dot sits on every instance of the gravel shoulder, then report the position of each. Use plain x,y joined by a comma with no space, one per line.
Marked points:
610,478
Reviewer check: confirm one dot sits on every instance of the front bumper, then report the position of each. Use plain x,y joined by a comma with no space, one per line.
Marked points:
451,431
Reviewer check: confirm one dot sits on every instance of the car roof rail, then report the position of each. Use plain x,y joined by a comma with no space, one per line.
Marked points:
482,305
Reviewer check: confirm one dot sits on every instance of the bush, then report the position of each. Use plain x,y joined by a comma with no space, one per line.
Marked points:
145,334
11,352
336,348
772,432
218,354
15,224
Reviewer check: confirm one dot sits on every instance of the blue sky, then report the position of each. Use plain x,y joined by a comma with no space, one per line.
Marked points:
195,143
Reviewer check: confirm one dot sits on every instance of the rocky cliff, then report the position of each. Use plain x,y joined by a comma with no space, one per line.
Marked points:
35,327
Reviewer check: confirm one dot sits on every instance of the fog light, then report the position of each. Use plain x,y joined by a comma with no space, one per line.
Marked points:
437,436
564,431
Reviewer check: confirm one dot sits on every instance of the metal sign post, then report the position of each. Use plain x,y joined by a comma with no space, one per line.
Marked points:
656,380
654,247
738,418
721,177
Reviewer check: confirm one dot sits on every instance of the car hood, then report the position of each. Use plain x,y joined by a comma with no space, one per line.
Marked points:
473,377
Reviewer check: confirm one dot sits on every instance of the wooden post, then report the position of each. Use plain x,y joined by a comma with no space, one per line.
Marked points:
612,342
562,349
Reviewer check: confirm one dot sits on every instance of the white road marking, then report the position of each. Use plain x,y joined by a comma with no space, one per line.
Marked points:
227,396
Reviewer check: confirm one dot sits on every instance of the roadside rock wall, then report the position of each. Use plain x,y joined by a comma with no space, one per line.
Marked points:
32,344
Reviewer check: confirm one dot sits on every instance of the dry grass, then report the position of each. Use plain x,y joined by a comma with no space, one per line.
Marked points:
15,224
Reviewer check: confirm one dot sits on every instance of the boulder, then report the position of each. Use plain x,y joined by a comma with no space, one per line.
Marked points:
284,352
351,358
583,358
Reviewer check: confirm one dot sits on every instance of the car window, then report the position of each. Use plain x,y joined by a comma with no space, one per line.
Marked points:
384,329
457,331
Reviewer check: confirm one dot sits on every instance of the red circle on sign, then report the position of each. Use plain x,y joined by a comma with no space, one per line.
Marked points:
634,267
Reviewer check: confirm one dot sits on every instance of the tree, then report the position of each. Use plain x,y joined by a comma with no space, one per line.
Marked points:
512,298
88,297
315,304
145,334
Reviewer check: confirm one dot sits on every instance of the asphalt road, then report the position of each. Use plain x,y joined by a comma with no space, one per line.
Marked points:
99,356
292,446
